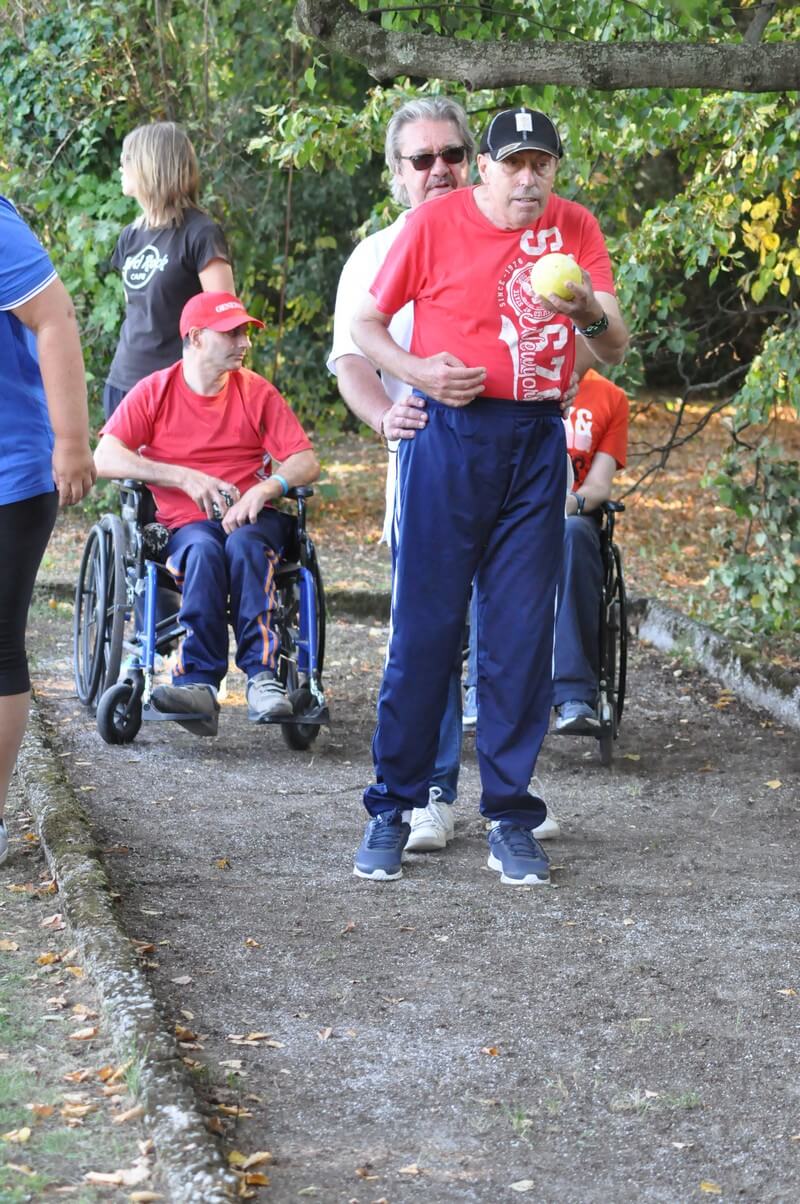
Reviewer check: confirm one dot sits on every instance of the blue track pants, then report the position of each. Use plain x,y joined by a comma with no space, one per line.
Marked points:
577,659
210,567
481,494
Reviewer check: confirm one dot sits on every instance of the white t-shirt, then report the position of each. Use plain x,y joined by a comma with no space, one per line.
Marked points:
357,275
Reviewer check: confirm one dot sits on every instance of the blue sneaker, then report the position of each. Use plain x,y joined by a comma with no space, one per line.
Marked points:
576,717
3,841
469,710
520,858
380,853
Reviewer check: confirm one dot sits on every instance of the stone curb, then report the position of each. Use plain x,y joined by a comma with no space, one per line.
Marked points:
759,683
189,1161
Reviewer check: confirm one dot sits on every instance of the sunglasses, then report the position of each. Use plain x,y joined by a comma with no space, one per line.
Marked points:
450,154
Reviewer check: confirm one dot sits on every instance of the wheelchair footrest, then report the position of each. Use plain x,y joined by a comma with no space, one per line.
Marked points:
316,717
153,715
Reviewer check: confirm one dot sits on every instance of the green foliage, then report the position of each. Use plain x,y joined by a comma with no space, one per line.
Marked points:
760,572
698,193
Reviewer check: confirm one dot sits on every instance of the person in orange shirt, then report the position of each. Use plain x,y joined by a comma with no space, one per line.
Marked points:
597,443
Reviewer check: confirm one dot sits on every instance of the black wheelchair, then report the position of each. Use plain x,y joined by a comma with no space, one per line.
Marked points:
613,637
127,604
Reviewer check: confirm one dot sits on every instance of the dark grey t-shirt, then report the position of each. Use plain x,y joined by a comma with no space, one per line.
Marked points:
159,273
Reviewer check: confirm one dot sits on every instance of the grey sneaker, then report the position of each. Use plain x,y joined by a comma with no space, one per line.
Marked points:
196,701
266,699
576,718
3,841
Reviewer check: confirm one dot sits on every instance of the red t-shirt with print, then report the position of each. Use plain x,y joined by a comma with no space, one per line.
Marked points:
233,435
597,422
470,284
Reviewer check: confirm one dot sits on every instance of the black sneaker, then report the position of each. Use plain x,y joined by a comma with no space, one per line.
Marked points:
520,858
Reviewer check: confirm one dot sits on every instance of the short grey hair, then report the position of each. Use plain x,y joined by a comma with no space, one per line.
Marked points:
428,108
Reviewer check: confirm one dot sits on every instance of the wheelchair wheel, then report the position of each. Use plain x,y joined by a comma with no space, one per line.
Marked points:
614,668
300,736
119,713
99,616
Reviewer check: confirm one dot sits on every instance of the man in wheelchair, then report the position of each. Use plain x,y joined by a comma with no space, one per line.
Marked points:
202,435
597,442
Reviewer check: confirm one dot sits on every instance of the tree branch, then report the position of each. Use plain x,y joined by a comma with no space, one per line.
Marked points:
761,19
604,66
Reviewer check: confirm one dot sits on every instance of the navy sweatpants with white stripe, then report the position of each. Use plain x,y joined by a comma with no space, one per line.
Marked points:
216,571
481,493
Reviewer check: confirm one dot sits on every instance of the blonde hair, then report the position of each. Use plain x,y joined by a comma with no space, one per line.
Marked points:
162,161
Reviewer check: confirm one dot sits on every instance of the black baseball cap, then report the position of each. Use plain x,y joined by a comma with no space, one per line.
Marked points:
517,130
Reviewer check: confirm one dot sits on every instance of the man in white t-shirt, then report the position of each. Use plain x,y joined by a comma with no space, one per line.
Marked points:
429,149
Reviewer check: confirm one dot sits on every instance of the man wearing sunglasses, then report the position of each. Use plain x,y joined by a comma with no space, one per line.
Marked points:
482,485
429,149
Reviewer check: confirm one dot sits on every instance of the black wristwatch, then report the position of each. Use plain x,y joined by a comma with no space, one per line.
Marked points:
594,329
581,502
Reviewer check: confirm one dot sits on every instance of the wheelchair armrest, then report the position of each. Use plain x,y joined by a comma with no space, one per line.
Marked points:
298,491
613,507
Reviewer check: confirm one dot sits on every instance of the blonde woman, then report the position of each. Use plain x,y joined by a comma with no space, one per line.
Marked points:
172,251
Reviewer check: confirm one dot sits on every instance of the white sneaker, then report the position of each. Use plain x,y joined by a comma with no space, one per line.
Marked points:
431,826
548,829
3,841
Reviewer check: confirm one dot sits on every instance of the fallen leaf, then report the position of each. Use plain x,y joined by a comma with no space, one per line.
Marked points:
325,1034
144,1197
75,971
184,1034
628,921
364,1172
21,888
491,1050
260,1158
78,1076
256,1179
787,991
86,1013
631,757
77,1111
795,1137
183,981
251,943
130,1114
17,1136
683,1145
122,1178
237,1158
31,837
711,1188
48,959
234,1110
56,922
41,1111
774,784
349,927
8,946
21,1168
113,1089
523,1185
84,1034
222,863
411,1169
215,1125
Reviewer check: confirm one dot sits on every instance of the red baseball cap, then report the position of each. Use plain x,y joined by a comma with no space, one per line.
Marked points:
215,311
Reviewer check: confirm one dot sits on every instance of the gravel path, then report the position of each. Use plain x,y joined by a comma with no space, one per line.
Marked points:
628,1034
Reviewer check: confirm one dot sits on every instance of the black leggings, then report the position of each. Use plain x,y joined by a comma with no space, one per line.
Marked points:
25,528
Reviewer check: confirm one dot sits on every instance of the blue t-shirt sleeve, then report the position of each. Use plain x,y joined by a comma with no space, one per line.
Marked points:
25,266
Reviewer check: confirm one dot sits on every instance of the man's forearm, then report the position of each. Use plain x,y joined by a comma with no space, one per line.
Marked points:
373,337
362,390
300,469
115,461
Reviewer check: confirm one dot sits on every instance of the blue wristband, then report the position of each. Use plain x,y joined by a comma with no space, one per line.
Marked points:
283,482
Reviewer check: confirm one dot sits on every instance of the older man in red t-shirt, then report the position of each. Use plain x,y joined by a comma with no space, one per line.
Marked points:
203,435
482,485
597,442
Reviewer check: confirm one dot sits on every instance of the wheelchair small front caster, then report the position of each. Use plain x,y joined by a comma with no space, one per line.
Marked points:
119,713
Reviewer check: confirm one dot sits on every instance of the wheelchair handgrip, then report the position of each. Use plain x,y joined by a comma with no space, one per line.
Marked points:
298,491
613,507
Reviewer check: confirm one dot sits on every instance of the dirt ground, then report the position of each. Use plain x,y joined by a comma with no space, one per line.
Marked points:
628,1034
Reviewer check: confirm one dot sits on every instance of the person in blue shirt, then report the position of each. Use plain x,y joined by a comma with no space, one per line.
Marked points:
45,458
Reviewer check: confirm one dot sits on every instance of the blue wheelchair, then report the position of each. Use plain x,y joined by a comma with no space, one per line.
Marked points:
127,613
613,637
